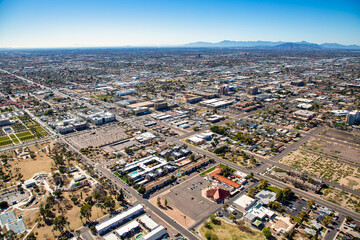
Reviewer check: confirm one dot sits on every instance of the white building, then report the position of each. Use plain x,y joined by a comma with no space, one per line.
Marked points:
129,228
157,233
244,202
119,219
148,222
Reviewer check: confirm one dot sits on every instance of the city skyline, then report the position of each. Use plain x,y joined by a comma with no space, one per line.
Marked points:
44,24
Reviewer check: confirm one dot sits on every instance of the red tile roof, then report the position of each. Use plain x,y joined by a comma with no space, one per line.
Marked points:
216,175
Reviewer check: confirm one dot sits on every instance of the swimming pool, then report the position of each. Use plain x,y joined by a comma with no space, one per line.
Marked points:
138,236
133,173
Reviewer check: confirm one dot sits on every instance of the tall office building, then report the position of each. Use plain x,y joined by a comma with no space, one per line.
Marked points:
224,90
252,91
353,118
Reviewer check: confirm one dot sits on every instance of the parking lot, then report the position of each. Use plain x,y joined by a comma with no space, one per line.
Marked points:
295,207
188,199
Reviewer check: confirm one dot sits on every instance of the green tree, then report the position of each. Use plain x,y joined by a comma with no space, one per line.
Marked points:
59,223
303,215
158,201
263,184
327,220
310,203
267,233
10,235
85,211
31,236
3,204
165,202
212,218
57,193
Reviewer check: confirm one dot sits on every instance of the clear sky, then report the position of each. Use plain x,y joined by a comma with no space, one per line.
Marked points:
82,23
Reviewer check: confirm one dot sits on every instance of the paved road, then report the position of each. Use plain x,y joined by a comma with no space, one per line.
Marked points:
146,203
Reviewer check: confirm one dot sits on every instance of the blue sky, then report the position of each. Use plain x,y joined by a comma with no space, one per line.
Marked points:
72,23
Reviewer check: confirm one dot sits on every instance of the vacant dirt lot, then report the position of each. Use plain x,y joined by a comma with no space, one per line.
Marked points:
324,168
343,136
28,167
339,197
333,149
226,231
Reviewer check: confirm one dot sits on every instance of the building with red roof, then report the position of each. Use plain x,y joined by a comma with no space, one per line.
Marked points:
217,194
216,175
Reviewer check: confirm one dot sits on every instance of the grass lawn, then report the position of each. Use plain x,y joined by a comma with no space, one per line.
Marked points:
26,138
227,231
23,134
42,134
39,129
103,97
207,171
212,169
6,142
15,140
273,189
4,138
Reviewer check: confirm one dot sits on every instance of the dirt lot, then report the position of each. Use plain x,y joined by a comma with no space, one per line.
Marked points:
334,150
226,231
339,197
343,136
324,168
28,167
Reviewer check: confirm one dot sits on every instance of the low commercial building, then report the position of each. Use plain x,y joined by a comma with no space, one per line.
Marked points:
4,122
223,180
244,202
215,103
149,167
304,114
157,233
192,98
340,112
128,229
215,118
119,219
125,92
141,111
147,104
266,196
148,223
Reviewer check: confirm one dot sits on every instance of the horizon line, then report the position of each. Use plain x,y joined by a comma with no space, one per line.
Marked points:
167,46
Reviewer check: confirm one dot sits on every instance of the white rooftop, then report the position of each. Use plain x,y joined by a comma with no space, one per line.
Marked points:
244,201
102,226
127,228
148,222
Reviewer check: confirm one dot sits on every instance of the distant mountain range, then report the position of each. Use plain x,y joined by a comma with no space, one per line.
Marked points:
273,45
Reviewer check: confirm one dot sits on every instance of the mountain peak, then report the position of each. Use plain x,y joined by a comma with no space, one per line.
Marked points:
302,45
